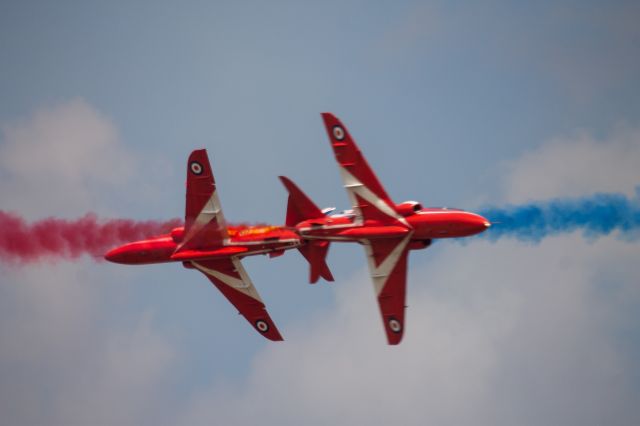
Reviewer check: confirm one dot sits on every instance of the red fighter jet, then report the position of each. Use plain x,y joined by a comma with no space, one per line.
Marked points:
388,231
207,244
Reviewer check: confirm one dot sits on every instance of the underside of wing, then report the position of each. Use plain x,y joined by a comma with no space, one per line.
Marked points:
388,259
230,277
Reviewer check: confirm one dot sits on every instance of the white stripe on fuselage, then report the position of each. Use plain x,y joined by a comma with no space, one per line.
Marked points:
446,211
343,225
229,242
268,250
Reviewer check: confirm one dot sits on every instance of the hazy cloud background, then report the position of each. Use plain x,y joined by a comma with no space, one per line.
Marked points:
498,333
459,105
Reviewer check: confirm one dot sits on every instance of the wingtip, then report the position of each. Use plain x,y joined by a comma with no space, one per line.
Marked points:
394,339
328,117
276,337
201,157
265,326
198,151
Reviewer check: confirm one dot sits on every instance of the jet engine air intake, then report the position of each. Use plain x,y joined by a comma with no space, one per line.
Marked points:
408,208
177,234
419,244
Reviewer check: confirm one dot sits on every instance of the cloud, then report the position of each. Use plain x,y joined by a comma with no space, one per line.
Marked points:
499,334
57,161
63,358
69,352
505,333
577,165
518,335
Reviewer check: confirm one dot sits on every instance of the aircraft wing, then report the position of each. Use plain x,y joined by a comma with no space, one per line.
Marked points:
230,277
205,226
368,198
387,259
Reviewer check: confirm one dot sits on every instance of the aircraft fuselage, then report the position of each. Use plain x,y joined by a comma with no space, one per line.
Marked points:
426,224
243,241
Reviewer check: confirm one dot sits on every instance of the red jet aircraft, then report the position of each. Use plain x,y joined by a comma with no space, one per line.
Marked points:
386,229
207,244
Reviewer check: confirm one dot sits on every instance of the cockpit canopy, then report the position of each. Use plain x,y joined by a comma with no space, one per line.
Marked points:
408,208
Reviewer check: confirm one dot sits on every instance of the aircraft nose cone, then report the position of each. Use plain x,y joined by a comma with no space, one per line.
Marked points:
117,255
480,223
485,224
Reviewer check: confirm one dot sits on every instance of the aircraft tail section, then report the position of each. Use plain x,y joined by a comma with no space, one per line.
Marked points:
301,208
315,251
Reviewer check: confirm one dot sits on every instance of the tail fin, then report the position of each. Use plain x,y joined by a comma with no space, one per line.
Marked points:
300,208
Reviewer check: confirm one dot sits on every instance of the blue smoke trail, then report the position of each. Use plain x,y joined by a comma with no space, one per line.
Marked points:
596,215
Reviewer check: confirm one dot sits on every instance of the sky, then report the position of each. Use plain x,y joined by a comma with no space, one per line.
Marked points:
459,104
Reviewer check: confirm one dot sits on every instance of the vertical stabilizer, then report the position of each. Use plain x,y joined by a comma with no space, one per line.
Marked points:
299,206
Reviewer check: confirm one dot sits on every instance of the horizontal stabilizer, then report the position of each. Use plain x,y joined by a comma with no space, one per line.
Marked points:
315,251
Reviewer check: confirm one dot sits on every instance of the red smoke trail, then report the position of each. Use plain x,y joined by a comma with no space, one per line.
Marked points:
51,238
